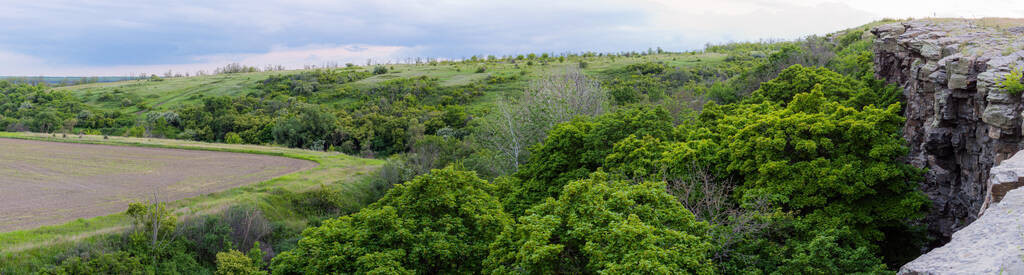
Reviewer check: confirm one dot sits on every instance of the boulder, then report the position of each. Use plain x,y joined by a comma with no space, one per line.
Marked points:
1006,176
1000,115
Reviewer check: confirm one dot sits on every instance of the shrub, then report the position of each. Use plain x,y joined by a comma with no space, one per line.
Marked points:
107,263
438,223
604,226
647,68
481,69
380,70
233,138
135,131
1012,82
234,262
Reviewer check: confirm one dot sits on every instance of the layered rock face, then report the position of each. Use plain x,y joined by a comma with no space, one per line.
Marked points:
960,122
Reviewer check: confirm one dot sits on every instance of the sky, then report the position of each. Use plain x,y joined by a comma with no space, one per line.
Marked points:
115,38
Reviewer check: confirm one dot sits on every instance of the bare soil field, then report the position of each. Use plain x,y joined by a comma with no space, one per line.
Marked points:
45,183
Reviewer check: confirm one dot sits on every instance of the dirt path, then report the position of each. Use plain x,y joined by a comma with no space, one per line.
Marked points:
45,183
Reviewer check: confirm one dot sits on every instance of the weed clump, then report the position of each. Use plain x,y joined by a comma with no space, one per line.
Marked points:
1011,83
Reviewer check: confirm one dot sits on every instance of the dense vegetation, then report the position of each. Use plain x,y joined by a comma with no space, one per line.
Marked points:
778,158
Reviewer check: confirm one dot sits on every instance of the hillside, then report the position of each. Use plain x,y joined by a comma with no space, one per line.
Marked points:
175,92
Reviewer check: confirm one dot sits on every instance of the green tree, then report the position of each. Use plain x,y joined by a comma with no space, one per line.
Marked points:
598,225
441,222
799,79
574,149
307,127
833,166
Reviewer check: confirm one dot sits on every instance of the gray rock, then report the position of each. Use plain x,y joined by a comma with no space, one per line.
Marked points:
961,65
958,81
990,245
931,51
1000,115
999,97
1006,176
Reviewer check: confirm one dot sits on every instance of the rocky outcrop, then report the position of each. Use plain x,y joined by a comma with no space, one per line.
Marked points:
1006,176
993,244
959,121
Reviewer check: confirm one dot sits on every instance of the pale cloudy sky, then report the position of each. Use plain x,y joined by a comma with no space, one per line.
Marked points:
105,37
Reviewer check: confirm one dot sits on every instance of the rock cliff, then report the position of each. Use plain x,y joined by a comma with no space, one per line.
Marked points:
960,122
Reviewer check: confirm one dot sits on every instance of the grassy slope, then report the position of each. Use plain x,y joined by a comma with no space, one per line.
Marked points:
175,92
334,169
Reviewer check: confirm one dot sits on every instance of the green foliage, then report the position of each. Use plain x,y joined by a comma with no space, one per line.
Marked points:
848,90
637,88
598,225
233,262
574,149
647,68
380,69
636,158
319,110
135,131
799,79
826,253
233,138
106,263
833,166
441,222
1012,82
306,128
37,108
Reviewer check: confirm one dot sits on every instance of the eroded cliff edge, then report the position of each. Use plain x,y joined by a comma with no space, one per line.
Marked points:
960,122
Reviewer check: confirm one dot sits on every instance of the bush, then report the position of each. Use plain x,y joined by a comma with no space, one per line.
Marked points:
107,263
574,149
647,68
481,69
135,131
1012,82
380,70
604,226
234,262
438,223
233,138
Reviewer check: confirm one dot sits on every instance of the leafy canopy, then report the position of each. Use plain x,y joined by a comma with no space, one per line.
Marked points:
600,225
441,222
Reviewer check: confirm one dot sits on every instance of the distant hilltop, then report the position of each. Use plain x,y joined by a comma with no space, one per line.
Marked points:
65,80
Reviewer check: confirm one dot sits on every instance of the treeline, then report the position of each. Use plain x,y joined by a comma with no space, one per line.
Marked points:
317,110
37,108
